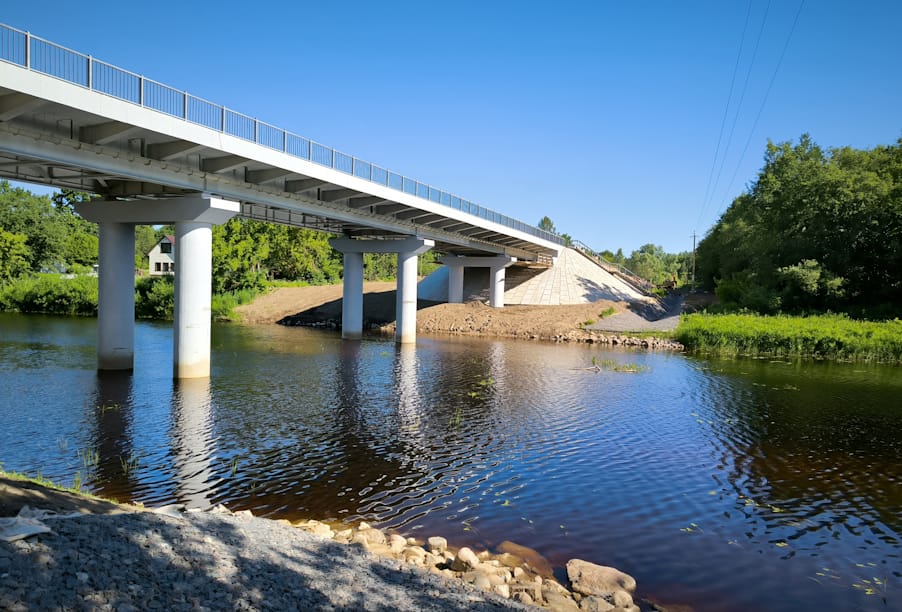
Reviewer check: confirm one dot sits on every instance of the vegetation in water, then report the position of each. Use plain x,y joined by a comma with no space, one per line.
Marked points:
599,365
822,336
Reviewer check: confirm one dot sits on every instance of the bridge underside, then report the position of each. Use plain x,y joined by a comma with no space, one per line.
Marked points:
50,143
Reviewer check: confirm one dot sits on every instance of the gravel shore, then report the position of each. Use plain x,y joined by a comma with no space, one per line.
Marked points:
206,561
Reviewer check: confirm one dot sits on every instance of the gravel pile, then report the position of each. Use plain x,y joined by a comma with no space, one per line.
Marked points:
204,561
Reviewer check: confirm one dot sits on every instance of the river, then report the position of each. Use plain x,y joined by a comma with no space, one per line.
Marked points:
721,484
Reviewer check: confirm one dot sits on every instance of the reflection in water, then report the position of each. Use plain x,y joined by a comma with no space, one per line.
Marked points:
112,439
725,485
193,444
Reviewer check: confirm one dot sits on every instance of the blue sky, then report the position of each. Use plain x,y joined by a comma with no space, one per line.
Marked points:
605,116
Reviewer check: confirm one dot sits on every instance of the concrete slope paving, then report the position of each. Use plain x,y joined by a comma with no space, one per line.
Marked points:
574,280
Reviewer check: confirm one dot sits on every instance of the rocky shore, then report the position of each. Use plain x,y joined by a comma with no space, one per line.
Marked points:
101,556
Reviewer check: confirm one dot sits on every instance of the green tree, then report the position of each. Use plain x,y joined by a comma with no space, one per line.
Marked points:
545,223
830,219
14,255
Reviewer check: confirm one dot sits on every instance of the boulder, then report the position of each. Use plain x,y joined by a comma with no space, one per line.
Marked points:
437,545
464,560
532,558
396,543
372,536
593,603
622,599
559,603
590,579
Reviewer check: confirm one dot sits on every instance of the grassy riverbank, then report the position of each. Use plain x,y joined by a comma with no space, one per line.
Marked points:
821,336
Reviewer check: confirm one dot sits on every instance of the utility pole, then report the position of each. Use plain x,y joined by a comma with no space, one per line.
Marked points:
693,261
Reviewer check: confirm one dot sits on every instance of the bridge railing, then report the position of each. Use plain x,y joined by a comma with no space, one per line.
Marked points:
614,268
40,55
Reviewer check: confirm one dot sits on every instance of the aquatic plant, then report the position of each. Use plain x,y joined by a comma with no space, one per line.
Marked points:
90,457
128,465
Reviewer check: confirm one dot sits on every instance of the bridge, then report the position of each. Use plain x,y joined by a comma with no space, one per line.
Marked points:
159,155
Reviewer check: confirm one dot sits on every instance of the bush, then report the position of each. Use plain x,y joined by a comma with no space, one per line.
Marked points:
155,297
51,294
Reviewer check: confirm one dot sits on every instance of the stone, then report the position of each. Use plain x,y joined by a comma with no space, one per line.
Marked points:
531,558
482,581
503,590
415,555
518,572
591,579
594,603
464,560
316,528
437,544
344,535
559,602
523,597
396,543
373,536
622,599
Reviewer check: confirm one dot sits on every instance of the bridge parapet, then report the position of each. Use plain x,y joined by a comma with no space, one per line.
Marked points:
43,56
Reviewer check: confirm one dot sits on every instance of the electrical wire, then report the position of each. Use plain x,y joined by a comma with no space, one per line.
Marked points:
770,85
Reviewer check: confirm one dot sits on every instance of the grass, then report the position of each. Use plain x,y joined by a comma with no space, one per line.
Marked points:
49,484
820,337
607,312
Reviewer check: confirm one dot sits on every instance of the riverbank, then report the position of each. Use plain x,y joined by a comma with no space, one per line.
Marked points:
819,337
101,554
320,306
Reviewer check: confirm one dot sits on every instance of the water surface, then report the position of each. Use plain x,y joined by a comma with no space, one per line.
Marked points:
726,485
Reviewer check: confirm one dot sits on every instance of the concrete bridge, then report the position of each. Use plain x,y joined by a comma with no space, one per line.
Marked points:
158,155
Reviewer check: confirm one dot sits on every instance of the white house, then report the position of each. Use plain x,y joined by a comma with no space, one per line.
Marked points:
162,257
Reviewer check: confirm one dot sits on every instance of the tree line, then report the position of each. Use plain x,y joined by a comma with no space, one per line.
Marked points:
818,230
44,234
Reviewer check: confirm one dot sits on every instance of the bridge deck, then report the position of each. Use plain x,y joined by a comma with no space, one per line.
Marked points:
69,120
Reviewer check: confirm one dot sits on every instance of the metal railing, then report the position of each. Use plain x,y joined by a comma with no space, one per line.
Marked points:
614,267
33,53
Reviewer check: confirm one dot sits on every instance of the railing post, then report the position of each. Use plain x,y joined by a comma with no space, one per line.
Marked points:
28,50
222,121
141,90
90,72
185,105
284,141
255,131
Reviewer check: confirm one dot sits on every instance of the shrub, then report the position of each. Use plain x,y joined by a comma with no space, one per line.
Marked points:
51,294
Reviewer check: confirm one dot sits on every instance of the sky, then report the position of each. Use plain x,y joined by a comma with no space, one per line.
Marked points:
626,123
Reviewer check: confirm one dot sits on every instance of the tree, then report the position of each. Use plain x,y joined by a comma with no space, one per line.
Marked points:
545,223
817,229
14,255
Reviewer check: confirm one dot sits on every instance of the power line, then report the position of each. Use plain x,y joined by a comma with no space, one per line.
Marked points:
745,84
726,107
773,78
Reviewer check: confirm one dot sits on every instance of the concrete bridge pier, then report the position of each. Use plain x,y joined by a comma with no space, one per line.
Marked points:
194,217
352,299
496,265
116,297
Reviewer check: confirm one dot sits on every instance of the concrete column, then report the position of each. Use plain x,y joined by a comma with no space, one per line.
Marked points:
352,297
406,308
193,283
455,283
496,286
116,297
406,302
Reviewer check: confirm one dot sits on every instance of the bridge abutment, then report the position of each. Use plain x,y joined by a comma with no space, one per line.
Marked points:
407,249
194,217
496,265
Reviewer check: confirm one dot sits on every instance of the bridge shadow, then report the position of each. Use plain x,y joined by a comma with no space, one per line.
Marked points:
378,309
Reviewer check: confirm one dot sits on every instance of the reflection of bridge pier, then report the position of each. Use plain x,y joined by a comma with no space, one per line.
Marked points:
191,444
112,440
